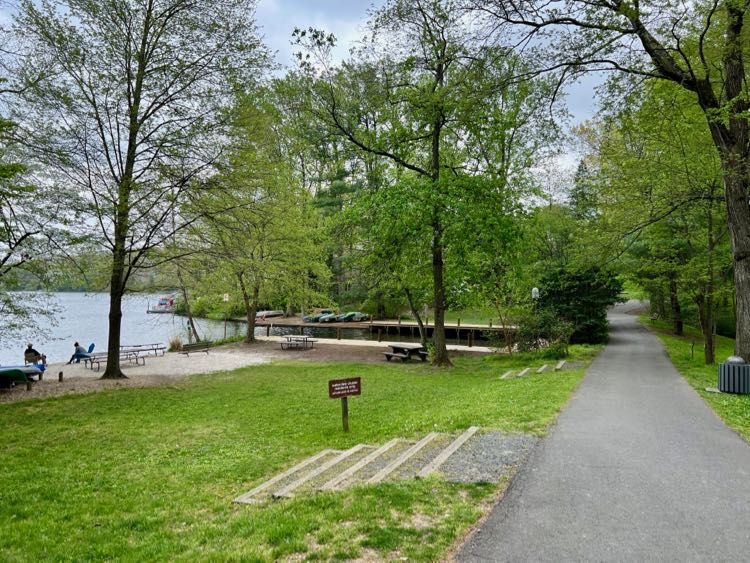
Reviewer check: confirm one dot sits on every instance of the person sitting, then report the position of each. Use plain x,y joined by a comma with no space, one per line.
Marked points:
80,352
31,356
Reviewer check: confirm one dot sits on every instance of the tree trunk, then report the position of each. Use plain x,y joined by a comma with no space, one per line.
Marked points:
188,311
417,316
251,307
674,302
116,290
738,212
438,332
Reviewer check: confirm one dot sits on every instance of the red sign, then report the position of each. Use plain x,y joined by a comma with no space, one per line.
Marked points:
338,388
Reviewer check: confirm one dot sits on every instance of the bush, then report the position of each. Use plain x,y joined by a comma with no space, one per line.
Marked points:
544,329
581,298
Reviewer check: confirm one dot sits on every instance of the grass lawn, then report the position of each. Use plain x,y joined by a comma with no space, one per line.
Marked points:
149,474
734,410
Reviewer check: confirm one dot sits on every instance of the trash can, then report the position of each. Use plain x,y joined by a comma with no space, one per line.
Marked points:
734,376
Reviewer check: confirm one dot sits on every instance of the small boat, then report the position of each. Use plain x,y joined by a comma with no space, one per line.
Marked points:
165,304
315,317
353,316
329,318
268,314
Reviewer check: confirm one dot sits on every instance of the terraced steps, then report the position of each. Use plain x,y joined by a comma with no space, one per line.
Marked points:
335,470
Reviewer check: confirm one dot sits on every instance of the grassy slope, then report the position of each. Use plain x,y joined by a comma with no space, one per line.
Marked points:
144,474
734,410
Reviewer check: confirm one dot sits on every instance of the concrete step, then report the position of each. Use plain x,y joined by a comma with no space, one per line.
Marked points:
359,466
310,475
400,460
447,452
507,374
249,497
523,372
541,369
559,365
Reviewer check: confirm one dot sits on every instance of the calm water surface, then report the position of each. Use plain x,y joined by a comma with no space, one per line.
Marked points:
82,317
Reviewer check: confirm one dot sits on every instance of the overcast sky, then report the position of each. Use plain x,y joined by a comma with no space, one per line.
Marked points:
345,19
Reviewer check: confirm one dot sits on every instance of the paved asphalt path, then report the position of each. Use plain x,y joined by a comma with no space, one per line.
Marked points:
637,468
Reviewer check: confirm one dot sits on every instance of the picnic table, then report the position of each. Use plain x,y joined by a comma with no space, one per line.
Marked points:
298,342
100,358
405,352
154,348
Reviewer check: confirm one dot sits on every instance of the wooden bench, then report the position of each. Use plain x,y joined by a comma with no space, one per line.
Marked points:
13,376
293,345
197,347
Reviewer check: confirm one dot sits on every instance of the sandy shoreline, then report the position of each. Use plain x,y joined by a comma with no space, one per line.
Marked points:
163,370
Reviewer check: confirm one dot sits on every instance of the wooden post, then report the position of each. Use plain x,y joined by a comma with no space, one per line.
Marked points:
338,333
302,331
268,330
28,384
60,377
41,375
471,338
380,335
490,323
345,413
459,321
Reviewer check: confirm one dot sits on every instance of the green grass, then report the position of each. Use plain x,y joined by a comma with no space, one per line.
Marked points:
149,474
686,353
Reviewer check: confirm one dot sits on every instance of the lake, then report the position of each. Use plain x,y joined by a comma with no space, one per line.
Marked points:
82,317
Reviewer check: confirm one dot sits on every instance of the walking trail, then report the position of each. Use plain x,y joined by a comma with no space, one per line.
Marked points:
637,468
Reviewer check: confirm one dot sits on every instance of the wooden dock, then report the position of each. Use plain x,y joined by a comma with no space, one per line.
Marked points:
381,329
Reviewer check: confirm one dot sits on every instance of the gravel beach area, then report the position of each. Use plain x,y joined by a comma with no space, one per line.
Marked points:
166,369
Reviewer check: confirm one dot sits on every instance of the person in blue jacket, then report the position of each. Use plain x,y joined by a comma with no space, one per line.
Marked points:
80,352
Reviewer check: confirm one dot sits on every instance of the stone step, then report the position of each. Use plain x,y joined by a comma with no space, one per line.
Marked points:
247,497
559,365
447,452
541,369
524,372
400,460
507,374
349,472
291,487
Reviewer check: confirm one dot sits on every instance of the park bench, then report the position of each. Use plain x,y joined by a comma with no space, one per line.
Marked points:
9,377
197,347
654,317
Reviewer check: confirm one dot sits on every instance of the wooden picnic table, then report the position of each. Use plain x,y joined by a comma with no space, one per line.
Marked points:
405,352
155,347
298,342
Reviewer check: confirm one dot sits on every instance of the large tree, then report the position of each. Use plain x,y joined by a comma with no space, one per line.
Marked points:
131,113
439,107
699,46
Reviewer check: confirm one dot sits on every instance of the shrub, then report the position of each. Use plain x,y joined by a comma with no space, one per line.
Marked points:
544,329
581,297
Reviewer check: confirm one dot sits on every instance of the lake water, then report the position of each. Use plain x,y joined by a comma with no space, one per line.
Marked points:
82,317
